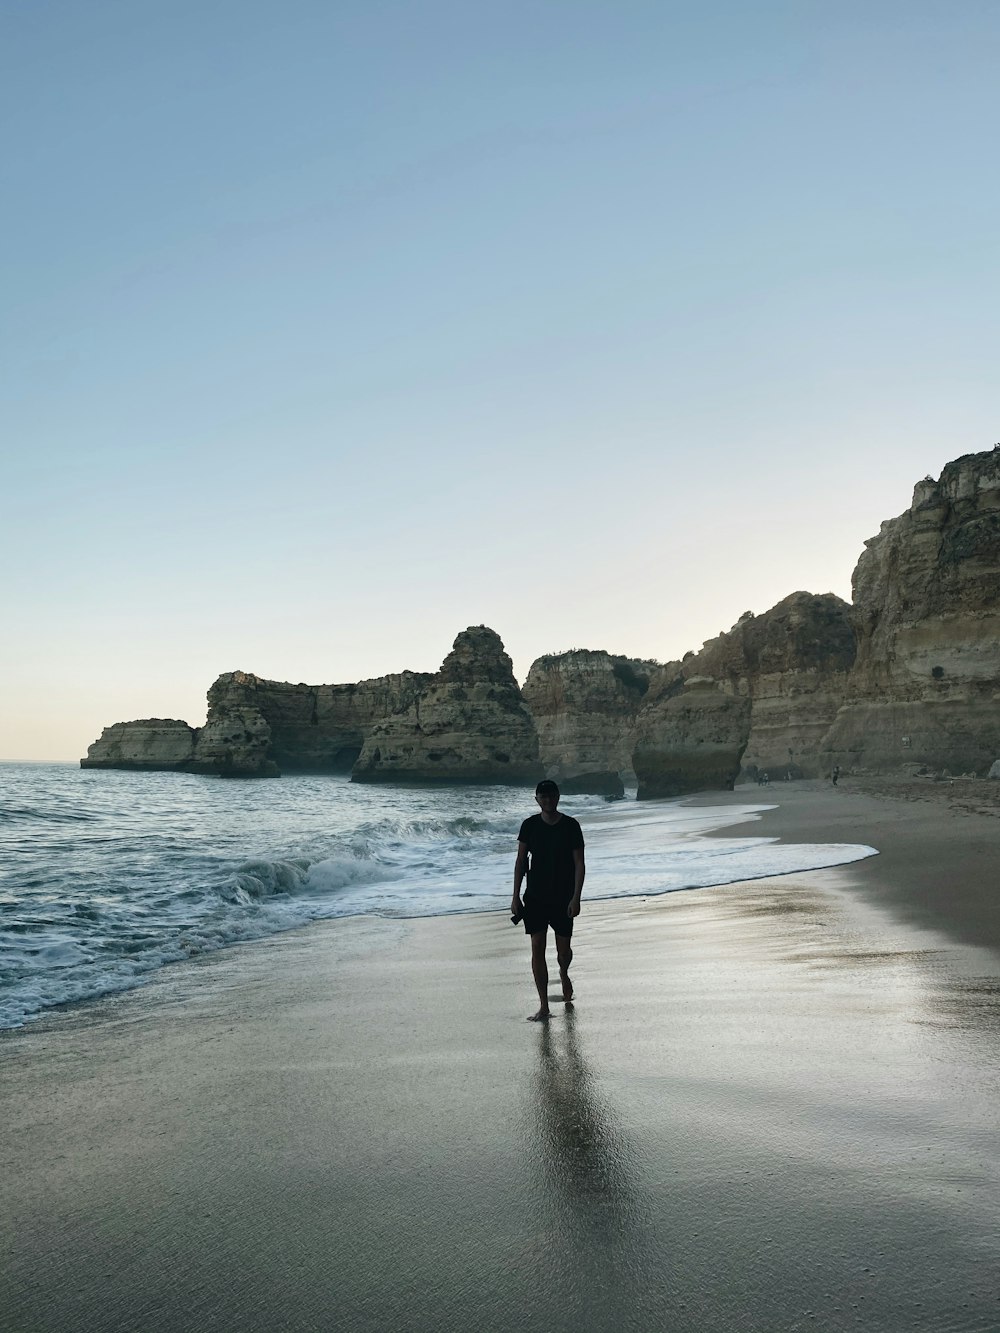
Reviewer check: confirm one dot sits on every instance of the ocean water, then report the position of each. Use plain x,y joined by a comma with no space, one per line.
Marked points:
107,876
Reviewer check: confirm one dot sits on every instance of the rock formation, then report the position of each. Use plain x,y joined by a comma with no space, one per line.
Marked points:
764,694
468,724
259,728
150,743
908,676
926,686
689,736
799,656
584,705
311,728
235,743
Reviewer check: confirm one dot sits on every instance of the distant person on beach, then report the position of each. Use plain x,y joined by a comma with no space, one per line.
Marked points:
550,853
835,774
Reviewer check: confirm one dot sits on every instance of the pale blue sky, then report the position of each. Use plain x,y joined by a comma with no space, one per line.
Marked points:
329,329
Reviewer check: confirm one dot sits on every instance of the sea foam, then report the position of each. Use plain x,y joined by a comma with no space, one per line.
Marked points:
110,876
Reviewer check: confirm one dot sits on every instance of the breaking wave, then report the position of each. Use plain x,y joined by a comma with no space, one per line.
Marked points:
124,873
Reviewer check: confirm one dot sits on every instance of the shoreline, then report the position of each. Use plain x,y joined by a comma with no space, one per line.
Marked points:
912,825
938,859
773,1106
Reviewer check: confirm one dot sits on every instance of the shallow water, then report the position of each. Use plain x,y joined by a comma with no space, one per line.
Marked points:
107,876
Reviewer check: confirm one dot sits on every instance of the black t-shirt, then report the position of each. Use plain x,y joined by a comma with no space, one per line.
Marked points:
550,853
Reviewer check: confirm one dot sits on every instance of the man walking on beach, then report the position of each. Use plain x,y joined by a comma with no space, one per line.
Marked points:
550,852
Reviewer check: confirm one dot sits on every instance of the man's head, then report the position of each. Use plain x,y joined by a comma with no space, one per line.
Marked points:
547,796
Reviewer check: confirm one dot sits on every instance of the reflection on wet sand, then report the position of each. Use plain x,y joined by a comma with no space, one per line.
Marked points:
770,1102
583,1147
589,1168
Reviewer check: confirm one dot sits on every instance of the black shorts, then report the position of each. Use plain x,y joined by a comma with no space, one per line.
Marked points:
542,912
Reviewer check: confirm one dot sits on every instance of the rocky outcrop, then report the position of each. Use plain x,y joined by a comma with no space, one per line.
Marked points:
235,743
907,677
310,728
763,695
154,743
260,728
926,685
584,705
690,736
799,658
468,724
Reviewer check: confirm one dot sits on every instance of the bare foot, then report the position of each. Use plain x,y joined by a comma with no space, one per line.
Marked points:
567,986
541,1017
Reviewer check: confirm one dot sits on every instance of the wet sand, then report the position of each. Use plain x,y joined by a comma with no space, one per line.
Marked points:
773,1107
938,843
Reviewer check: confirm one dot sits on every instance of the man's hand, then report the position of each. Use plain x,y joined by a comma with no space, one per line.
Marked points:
573,907
516,906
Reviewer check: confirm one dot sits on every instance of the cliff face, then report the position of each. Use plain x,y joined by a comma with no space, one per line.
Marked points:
926,687
235,743
690,735
310,728
909,675
257,728
799,658
153,743
584,705
764,694
467,724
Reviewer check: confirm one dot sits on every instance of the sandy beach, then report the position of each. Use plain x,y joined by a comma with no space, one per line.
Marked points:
939,843
774,1106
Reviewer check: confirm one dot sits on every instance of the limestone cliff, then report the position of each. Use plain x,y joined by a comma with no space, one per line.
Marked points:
150,743
584,704
468,724
234,742
909,675
258,728
312,728
764,694
689,735
926,686
799,656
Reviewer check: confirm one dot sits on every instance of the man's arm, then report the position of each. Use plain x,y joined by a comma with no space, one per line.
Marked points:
579,872
520,870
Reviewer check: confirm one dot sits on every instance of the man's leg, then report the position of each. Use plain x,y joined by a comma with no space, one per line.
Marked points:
565,951
540,971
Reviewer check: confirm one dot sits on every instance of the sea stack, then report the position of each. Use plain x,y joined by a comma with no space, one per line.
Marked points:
469,724
150,743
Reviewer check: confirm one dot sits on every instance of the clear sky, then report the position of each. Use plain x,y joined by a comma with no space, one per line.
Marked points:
331,327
